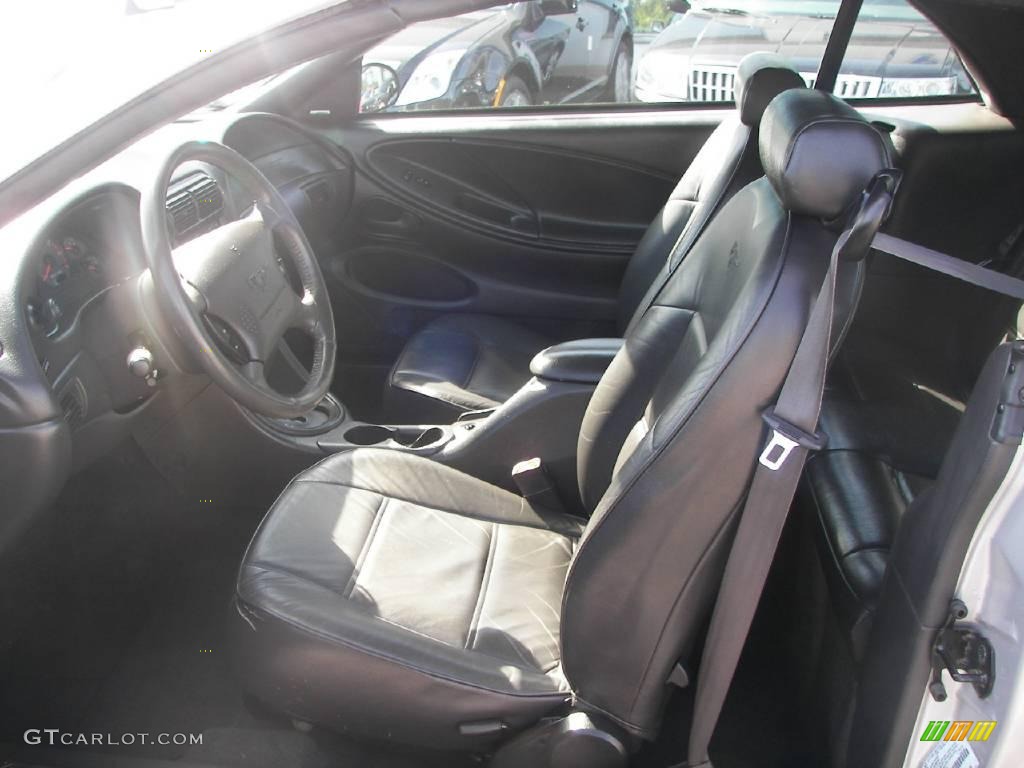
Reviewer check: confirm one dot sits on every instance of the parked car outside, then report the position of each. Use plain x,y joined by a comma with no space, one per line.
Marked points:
520,54
894,52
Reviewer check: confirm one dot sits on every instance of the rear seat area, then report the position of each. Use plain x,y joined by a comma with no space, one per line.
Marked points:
887,436
898,386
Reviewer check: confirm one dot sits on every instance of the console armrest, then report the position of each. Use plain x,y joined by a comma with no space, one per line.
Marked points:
581,361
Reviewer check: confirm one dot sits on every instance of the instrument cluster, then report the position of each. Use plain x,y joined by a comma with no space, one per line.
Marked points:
70,273
85,251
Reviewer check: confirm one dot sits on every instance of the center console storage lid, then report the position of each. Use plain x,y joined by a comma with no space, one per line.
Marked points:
581,361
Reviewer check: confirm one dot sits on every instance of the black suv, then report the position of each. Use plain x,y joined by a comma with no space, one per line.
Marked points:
895,52
520,54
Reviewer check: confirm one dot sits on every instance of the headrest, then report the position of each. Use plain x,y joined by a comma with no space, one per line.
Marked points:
818,153
761,77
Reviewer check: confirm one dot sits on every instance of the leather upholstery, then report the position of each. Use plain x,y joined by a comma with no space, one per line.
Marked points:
886,440
362,591
384,587
760,77
473,362
462,363
727,161
668,445
583,360
818,152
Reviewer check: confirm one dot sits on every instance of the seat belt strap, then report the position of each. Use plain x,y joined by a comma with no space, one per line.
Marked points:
948,265
793,423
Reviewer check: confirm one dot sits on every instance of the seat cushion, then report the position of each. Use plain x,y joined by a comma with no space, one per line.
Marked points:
886,438
388,593
460,363
859,501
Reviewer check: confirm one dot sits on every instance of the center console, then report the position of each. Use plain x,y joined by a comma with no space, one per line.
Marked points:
542,420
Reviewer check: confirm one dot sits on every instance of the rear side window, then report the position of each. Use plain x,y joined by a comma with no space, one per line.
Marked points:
896,53
549,53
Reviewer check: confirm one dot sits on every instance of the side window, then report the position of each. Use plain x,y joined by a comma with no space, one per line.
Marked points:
553,52
526,54
896,53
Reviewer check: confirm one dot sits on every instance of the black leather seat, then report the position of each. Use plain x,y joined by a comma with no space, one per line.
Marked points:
465,362
887,435
387,593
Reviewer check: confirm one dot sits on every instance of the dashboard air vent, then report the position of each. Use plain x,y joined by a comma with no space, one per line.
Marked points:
182,210
192,201
73,402
207,195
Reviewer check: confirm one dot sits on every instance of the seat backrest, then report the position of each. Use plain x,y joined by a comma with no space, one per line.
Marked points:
672,433
726,163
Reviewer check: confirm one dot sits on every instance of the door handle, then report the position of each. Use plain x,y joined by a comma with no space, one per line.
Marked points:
581,23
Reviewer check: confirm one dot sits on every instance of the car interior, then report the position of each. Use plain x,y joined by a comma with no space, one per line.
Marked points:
422,440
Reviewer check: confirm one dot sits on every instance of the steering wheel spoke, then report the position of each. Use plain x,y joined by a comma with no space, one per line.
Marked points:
271,217
255,372
306,314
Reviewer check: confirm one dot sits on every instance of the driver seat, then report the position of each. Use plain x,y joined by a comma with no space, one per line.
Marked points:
388,594
465,362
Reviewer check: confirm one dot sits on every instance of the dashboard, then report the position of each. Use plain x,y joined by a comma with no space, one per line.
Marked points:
82,291
79,302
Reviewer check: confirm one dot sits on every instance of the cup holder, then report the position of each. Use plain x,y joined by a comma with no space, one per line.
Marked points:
413,438
369,434
429,437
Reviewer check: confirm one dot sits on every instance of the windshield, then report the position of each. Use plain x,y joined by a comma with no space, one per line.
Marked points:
67,63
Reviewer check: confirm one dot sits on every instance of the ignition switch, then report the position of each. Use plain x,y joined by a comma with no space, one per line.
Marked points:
141,364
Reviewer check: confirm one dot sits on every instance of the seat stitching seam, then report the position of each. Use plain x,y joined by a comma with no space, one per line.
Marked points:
868,548
485,581
469,515
350,587
273,568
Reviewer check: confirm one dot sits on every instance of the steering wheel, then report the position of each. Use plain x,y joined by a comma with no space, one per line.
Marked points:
227,293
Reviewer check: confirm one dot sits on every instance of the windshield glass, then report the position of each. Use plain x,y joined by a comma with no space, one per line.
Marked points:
67,63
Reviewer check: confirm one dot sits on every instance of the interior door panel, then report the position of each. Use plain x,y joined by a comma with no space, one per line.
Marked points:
533,219
524,191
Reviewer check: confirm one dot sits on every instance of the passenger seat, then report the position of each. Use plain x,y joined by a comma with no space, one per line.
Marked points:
466,362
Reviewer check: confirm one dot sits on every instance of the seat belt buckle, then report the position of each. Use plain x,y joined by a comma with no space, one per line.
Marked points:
534,484
785,437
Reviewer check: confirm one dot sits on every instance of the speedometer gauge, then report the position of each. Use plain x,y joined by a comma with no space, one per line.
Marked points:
55,267
79,256
73,249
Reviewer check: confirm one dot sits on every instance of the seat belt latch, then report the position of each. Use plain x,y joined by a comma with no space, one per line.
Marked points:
534,484
785,437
